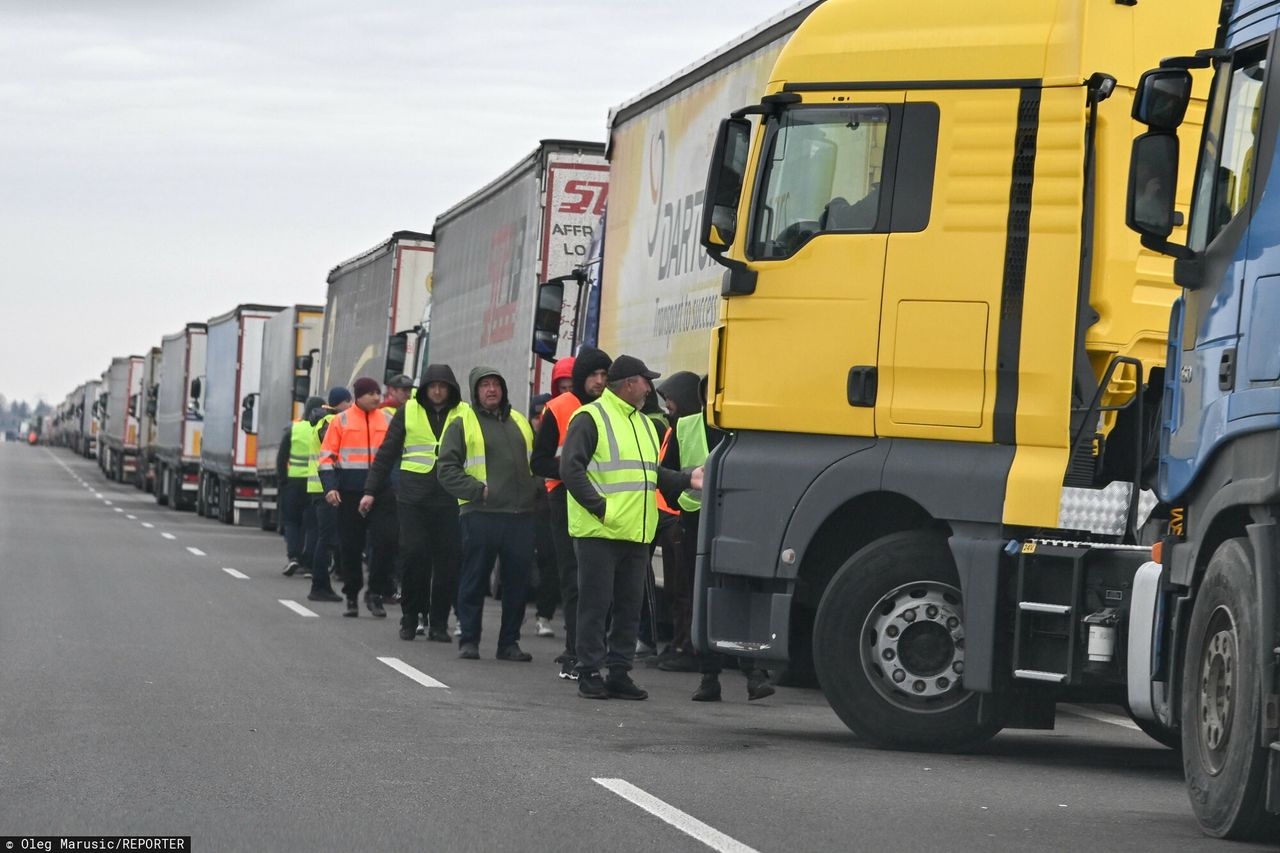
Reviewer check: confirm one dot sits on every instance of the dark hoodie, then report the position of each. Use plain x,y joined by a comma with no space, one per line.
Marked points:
544,461
415,488
510,483
682,389
671,459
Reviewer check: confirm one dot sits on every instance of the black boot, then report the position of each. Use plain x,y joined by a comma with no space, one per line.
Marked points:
353,607
758,686
708,689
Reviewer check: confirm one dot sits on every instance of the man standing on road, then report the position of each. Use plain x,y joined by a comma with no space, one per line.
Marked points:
590,372
326,549
399,390
610,468
690,447
484,463
293,466
429,538
350,443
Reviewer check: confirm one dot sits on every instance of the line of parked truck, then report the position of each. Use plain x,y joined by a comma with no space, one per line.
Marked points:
990,448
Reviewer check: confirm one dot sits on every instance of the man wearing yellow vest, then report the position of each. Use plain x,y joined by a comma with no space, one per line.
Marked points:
429,546
325,554
610,467
690,446
484,463
299,451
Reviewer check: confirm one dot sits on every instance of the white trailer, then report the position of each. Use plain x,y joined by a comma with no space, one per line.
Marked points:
373,309
180,417
532,223
119,448
144,405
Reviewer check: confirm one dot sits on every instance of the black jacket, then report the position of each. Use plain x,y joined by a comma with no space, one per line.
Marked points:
543,461
414,488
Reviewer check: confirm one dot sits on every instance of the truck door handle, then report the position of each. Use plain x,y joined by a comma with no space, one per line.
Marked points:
1227,370
862,386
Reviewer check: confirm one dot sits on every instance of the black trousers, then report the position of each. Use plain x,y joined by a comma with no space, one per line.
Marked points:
430,554
567,560
610,575
291,502
326,550
380,527
547,594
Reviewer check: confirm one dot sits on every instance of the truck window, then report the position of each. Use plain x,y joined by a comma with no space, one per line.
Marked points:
821,173
1224,179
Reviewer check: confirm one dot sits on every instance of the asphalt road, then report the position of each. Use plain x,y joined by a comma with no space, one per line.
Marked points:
146,690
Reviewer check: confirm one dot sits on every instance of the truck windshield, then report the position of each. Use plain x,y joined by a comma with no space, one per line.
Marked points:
1224,178
822,170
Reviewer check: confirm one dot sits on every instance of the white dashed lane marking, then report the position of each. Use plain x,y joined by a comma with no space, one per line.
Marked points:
132,517
297,608
235,574
168,536
689,825
417,675
148,525
196,551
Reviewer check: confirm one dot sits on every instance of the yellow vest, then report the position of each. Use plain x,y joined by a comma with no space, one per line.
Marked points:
623,469
301,457
421,446
474,464
313,464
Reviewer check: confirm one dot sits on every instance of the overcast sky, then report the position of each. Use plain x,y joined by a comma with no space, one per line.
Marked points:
162,161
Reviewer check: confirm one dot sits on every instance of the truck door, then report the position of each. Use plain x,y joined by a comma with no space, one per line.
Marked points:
816,240
1215,361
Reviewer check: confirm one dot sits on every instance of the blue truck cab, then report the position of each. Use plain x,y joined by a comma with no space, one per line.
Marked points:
1217,635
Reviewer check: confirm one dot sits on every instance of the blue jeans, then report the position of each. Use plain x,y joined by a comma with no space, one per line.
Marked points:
508,538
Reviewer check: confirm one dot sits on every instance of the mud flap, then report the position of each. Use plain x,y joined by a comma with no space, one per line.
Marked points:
1273,779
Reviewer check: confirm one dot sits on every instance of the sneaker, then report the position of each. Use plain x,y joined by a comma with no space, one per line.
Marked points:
422,625
758,686
544,628
353,607
708,689
457,630
393,599
374,603
513,652
438,635
591,686
569,669
291,569
323,595
469,651
644,650
620,686
682,662
306,573
407,632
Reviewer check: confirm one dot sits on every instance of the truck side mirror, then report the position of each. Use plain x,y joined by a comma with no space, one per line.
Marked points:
133,406
546,320
1161,99
153,400
303,363
725,178
247,406
301,388
195,388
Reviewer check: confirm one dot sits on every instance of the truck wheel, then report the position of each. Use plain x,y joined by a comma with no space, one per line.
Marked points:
160,488
888,646
1225,767
226,511
202,496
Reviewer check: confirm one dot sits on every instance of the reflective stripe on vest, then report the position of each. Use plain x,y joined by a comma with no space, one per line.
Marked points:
474,463
561,407
301,435
624,470
313,468
691,433
421,445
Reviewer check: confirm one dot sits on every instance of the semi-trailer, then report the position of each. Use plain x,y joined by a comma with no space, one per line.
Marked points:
180,417
228,484
118,457
144,405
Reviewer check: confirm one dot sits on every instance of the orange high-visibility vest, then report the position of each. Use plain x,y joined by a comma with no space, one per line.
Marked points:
353,439
663,506
561,407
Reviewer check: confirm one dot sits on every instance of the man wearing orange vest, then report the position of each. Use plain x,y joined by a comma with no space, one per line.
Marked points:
590,375
350,445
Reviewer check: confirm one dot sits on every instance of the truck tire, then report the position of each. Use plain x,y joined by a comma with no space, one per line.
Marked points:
1226,769
202,496
225,506
888,646
160,488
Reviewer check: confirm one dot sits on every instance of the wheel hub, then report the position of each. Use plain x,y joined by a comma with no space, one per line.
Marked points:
1217,689
915,642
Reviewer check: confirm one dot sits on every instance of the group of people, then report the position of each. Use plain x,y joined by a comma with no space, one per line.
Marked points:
436,492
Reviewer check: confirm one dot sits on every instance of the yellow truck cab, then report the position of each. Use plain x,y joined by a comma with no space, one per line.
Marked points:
940,350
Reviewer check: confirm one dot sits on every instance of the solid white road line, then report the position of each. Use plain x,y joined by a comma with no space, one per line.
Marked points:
297,608
168,536
417,675
197,551
1100,716
237,575
691,826
148,525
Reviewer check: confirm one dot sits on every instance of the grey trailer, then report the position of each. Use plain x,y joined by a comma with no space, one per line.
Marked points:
180,417
119,449
145,405
228,484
